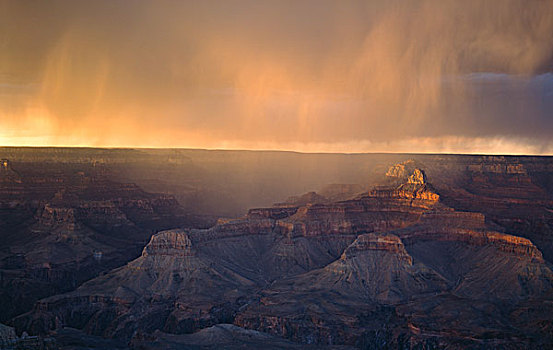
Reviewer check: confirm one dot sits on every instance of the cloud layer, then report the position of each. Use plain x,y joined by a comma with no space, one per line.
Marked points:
419,76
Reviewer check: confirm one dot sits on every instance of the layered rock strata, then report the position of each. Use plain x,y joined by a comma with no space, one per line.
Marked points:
394,266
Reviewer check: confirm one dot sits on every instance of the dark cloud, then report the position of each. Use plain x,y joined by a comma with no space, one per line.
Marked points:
309,75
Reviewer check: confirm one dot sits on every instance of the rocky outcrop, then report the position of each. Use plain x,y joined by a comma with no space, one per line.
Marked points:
272,213
348,217
507,243
170,286
402,171
237,227
64,224
418,177
383,208
402,265
54,216
171,243
408,182
447,218
384,242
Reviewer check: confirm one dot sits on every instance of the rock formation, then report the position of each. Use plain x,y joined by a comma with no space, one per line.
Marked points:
445,252
326,273
62,228
402,171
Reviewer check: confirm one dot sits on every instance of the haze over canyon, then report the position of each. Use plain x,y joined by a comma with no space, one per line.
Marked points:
276,174
193,249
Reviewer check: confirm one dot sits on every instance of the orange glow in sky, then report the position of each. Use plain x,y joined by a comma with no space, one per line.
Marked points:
312,76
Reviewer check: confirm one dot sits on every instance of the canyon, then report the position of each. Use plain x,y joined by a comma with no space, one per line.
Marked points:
153,249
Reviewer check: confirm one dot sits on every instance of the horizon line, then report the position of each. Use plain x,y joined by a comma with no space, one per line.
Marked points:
267,150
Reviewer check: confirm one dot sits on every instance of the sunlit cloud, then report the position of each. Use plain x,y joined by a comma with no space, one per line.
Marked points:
316,76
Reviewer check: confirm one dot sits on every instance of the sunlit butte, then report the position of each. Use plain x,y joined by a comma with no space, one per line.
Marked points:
313,76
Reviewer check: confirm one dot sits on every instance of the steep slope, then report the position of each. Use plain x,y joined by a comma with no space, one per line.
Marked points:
169,287
441,257
377,269
65,226
394,266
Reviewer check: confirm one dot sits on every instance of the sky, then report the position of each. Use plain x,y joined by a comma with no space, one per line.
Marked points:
472,76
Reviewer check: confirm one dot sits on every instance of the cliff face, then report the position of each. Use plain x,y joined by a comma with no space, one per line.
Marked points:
54,216
513,192
177,288
408,183
402,171
61,226
170,243
374,242
443,252
384,267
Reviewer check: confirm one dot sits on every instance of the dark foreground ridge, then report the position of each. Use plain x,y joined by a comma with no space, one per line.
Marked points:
431,252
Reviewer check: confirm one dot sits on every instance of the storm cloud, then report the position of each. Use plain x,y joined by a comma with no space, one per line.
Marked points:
346,76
